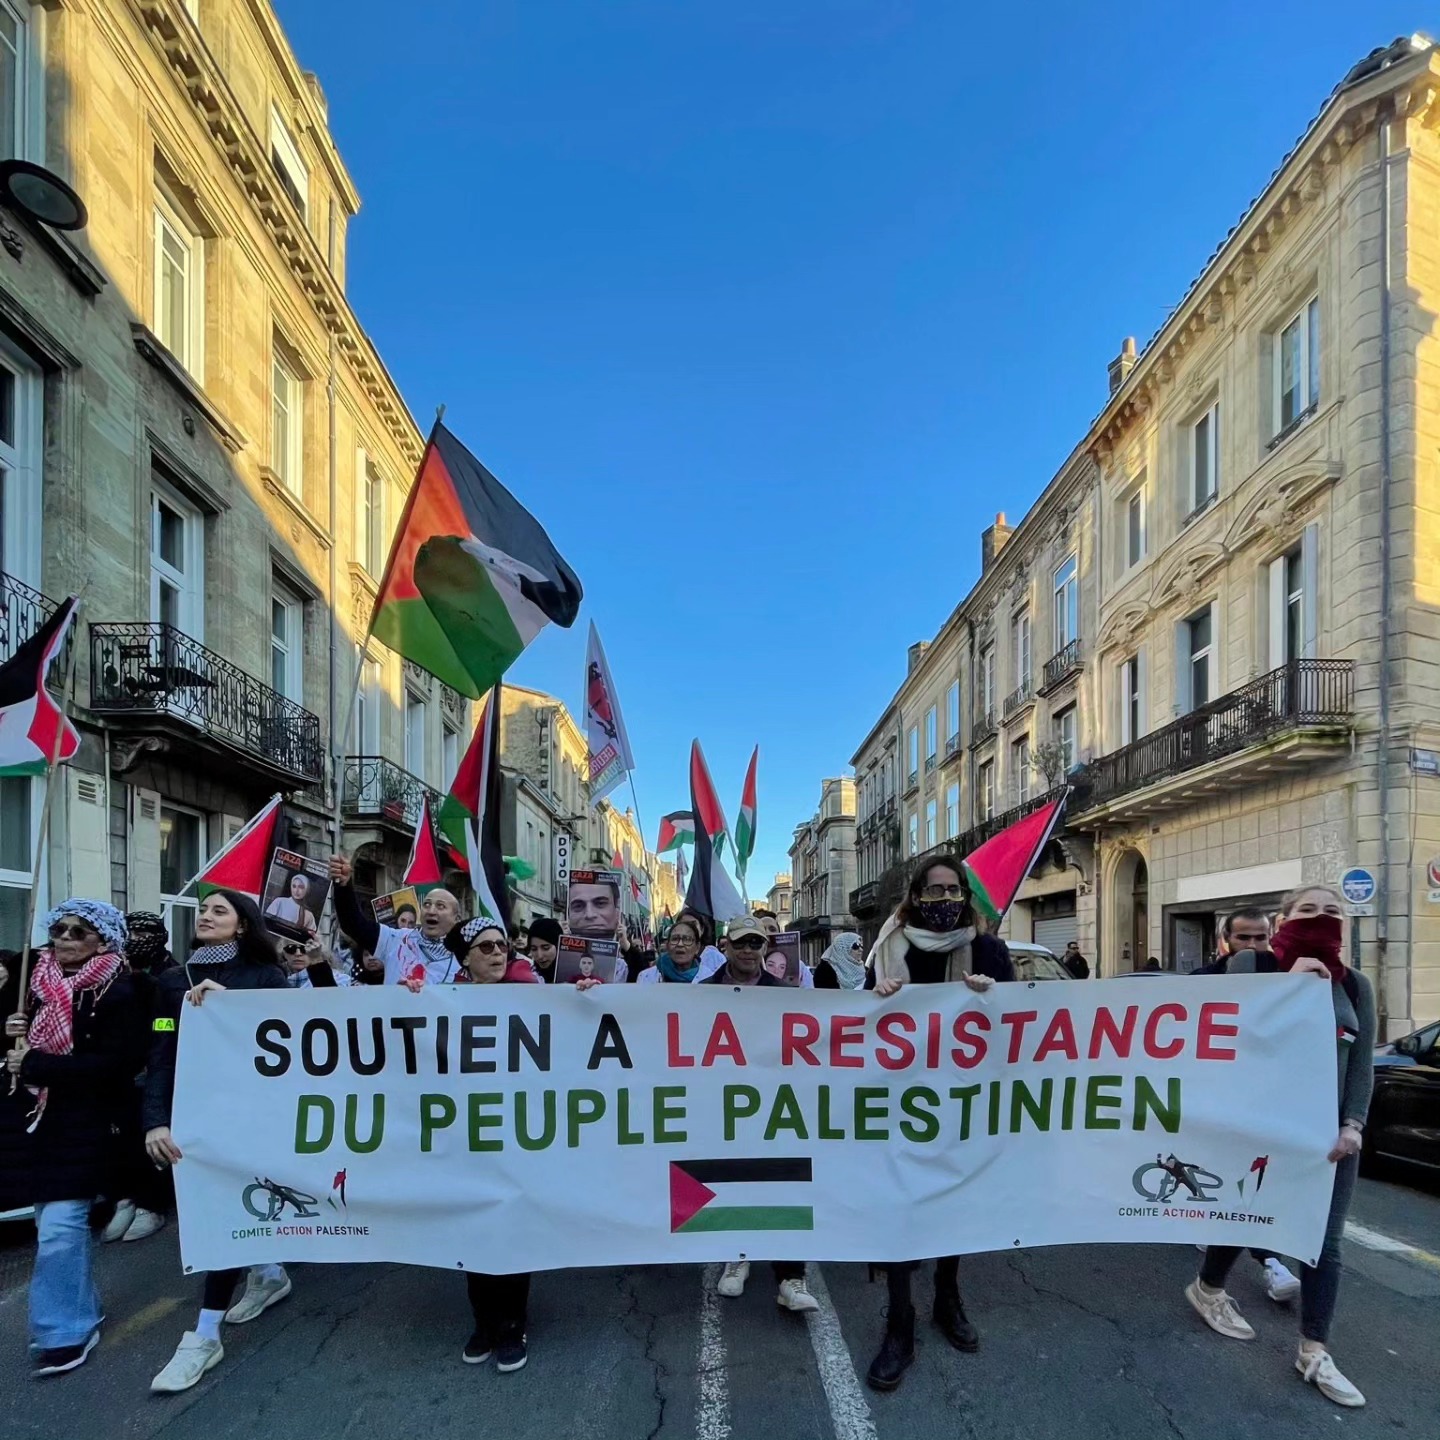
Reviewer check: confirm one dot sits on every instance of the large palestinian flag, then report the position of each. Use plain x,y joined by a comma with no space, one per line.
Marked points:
243,863
472,576
997,869
745,824
34,731
711,892
423,871
676,829
470,815
705,800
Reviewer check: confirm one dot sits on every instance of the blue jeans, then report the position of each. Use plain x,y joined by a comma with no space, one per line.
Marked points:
64,1308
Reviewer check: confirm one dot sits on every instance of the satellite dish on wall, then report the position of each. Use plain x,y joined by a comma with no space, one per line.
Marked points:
41,196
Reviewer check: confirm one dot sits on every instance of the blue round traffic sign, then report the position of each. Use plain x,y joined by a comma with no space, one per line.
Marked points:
1358,886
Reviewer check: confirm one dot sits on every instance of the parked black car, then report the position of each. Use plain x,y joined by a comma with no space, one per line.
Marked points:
1404,1119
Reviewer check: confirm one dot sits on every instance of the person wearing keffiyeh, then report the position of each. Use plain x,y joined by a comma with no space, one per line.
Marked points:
79,1044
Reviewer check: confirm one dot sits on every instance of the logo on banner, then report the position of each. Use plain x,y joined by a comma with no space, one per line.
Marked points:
691,1212
276,1198
1163,1179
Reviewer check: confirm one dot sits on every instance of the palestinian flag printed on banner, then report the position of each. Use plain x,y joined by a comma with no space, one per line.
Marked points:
34,730
423,870
470,815
711,892
745,822
243,863
996,870
705,800
676,829
766,1183
472,577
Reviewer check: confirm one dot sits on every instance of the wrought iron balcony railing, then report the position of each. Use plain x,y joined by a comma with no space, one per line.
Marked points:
1302,693
159,670
22,612
1061,665
984,727
373,785
1020,696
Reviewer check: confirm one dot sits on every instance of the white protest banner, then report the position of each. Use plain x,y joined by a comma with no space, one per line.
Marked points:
520,1127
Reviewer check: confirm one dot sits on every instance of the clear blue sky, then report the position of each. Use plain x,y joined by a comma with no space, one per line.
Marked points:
765,307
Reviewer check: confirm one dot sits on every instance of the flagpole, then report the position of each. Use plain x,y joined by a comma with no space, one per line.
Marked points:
67,697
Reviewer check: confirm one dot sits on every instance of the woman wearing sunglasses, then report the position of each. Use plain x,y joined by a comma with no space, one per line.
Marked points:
931,939
232,950
842,966
78,1051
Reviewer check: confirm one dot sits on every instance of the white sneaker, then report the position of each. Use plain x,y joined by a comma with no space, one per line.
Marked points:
260,1294
732,1280
1218,1311
145,1224
192,1358
794,1296
1281,1284
1318,1369
124,1218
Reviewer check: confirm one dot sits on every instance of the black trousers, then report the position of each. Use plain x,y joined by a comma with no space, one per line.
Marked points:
219,1291
897,1282
788,1270
500,1303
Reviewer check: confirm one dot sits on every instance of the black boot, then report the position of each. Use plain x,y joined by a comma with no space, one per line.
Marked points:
897,1350
953,1323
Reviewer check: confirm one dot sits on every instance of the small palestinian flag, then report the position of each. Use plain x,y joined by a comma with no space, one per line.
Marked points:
470,815
996,870
242,864
745,823
472,577
705,801
676,829
34,731
711,892
423,871
758,1183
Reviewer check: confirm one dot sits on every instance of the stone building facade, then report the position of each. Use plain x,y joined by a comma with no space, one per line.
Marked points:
1254,517
208,444
780,900
823,869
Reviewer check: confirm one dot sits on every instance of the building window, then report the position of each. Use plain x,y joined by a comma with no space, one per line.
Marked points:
1292,601
415,716
21,466
1065,738
931,824
450,756
1135,529
952,811
179,286
177,564
932,737
371,519
289,167
287,424
367,707
987,682
1205,459
912,838
952,716
182,853
912,753
985,784
1132,723
1020,635
18,813
1297,366
22,82
1196,640
287,642
1020,769
1067,603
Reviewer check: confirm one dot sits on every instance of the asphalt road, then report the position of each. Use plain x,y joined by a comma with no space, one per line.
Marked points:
1092,1341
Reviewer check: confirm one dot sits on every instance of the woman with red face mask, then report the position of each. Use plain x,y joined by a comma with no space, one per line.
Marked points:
1309,944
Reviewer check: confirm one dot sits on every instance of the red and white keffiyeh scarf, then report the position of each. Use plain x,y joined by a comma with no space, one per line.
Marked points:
53,1029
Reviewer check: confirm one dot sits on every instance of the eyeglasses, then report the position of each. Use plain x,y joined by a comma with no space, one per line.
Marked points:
488,947
292,947
73,932
942,892
749,942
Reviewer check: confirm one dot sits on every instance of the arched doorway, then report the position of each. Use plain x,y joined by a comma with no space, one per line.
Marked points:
1140,913
1130,908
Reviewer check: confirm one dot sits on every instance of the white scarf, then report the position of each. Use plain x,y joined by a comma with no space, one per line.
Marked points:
892,946
848,971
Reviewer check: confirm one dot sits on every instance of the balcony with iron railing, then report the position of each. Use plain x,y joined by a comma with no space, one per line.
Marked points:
953,749
1060,667
376,788
1021,696
1292,716
22,612
159,678
984,729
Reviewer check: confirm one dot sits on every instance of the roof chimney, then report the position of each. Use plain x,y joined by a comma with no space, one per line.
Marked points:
915,655
1122,364
992,541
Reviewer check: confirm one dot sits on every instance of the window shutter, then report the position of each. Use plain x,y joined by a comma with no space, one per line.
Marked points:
1182,668
358,547
1142,685
89,835
1277,612
143,850
1309,604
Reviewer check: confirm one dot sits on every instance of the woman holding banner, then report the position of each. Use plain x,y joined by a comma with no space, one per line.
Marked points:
679,962
232,951
1310,942
931,939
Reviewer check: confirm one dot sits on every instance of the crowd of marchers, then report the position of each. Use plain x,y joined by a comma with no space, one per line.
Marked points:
85,1110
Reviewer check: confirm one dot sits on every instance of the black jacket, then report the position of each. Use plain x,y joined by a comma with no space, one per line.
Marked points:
989,955
170,991
72,1152
764,978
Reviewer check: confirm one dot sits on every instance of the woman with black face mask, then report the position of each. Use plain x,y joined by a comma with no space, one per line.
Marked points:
931,939
1309,943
